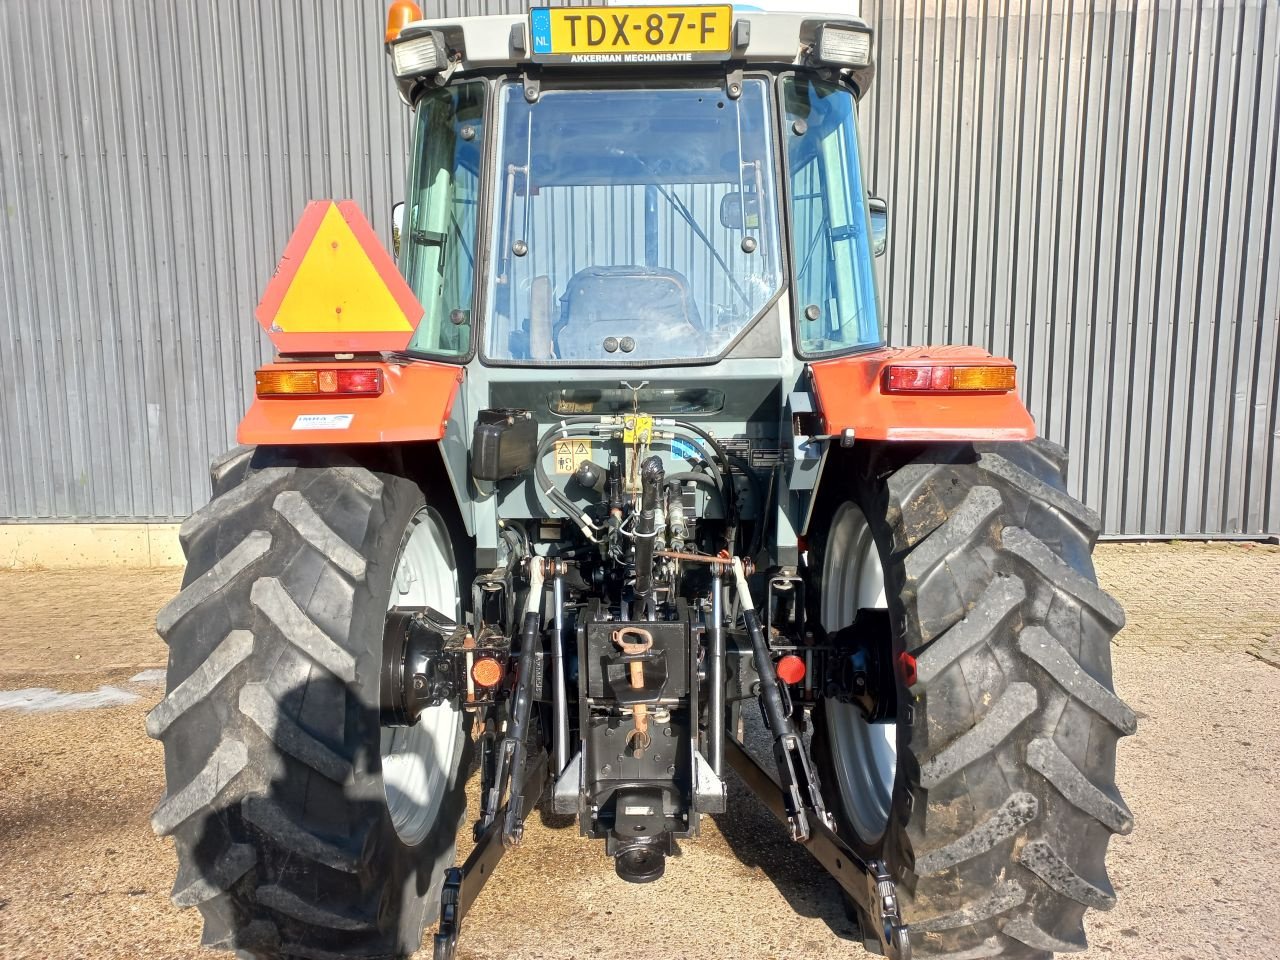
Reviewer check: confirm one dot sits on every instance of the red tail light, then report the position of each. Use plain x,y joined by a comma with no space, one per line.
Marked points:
360,381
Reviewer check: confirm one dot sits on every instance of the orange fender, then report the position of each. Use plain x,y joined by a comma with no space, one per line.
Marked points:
415,404
850,394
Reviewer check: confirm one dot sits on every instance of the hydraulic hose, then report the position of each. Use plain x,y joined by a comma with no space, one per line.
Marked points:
561,429
706,437
719,470
651,477
714,471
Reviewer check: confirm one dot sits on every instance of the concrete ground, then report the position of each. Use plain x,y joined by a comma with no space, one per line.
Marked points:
82,876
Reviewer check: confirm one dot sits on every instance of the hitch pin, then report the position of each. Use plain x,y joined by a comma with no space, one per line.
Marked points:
638,739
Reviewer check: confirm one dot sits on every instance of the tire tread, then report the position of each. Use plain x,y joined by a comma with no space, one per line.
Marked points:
987,567
234,649
276,807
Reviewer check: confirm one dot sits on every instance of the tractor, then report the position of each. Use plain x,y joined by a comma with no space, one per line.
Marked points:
605,483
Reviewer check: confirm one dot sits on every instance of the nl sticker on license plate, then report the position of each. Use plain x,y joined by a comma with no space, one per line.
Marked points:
631,35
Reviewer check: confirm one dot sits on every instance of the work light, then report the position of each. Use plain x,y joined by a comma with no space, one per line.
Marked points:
418,55
843,45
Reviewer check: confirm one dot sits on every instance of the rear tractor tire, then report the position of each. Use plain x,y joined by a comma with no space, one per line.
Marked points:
993,797
302,827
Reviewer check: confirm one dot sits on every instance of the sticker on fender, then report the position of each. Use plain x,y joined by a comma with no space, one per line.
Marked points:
570,454
323,421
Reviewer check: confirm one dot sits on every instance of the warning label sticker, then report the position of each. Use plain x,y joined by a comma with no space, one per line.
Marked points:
571,453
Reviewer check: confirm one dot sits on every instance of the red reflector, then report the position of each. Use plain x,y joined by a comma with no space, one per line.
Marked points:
790,669
941,378
338,381
486,672
908,662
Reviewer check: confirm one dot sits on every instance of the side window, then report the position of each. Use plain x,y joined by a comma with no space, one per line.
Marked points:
835,292
441,214
813,255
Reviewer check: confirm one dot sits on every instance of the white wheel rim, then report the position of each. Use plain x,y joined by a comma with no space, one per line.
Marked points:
416,760
865,755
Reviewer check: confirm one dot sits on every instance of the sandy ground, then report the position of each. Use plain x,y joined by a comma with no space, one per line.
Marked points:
82,876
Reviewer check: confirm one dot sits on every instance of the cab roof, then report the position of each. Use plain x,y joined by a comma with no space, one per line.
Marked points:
775,37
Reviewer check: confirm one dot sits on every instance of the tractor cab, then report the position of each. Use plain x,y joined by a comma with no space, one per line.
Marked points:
646,195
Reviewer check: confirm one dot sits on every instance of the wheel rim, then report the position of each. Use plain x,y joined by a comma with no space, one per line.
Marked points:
865,755
416,760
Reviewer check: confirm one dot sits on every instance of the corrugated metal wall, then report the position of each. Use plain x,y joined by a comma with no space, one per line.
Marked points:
1092,190
155,156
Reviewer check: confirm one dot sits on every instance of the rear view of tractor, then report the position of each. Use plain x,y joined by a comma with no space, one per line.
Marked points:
611,484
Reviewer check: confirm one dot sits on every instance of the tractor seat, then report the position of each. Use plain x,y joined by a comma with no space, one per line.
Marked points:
652,307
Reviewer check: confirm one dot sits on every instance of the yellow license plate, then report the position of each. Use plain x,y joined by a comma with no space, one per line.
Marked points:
631,34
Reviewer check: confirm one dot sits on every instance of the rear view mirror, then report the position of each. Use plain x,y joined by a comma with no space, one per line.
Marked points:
879,214
397,220
740,211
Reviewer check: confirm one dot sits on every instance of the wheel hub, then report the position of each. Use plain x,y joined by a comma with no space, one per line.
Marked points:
863,672
416,760
416,672
864,753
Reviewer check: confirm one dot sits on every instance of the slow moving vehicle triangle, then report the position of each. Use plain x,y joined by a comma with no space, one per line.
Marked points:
336,289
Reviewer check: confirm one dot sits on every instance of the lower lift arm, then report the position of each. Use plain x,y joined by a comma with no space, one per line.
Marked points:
463,884
517,774
797,800
867,882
